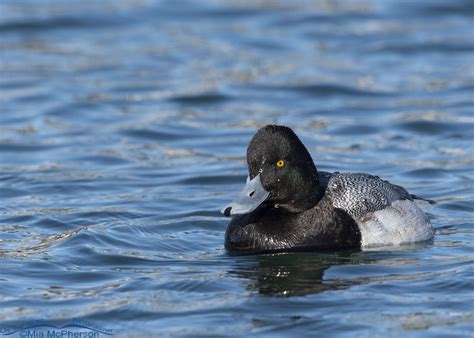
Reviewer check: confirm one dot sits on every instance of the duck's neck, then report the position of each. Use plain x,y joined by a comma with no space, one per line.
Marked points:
308,194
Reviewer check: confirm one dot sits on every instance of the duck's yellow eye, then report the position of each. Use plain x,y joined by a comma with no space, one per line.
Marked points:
280,163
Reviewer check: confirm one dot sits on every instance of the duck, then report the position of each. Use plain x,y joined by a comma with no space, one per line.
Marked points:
288,205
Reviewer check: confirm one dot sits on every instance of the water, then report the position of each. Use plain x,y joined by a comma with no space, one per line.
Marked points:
123,131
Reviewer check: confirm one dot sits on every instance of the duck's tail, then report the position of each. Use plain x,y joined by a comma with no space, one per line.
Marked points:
415,197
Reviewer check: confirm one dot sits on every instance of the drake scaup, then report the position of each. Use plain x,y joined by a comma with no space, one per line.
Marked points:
287,205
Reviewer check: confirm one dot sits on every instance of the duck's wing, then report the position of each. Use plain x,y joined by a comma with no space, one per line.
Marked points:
360,194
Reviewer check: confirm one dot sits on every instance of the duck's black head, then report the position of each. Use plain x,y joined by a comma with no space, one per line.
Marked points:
281,173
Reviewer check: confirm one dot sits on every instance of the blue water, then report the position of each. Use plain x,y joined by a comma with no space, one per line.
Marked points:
123,131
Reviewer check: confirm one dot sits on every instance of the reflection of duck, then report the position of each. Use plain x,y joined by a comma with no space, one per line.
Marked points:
295,274
303,273
287,205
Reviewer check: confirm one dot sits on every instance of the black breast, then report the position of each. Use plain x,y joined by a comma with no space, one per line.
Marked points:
269,229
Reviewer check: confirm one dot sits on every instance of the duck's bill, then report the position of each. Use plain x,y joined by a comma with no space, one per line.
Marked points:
249,198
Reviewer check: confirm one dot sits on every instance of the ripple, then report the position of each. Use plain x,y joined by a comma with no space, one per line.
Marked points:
124,127
45,24
431,127
427,172
423,48
214,179
151,134
105,160
356,130
461,8
57,23
201,99
321,89
24,147
11,192
40,247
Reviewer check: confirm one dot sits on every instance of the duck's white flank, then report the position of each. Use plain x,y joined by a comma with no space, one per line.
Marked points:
401,222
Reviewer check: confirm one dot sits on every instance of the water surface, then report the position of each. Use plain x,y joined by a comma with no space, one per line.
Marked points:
123,131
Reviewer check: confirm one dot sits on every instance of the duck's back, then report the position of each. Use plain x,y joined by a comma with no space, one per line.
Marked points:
384,212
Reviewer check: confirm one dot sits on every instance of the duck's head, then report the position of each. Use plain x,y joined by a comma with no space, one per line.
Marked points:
281,174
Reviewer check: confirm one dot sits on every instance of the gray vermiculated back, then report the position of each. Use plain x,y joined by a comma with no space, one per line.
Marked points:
359,194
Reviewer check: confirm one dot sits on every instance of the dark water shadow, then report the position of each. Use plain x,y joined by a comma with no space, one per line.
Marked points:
201,99
297,274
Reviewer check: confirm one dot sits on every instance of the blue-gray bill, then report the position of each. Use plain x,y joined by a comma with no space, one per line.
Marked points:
251,196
